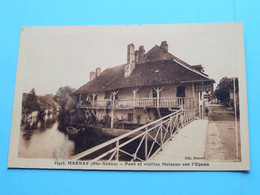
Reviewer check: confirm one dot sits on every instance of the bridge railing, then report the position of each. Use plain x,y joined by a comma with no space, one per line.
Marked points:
142,143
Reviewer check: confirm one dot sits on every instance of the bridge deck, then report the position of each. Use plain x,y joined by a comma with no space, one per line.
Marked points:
188,142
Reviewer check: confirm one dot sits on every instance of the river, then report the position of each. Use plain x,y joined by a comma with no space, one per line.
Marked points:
48,142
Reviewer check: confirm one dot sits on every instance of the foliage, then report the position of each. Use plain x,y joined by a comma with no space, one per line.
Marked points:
67,102
67,105
48,101
31,103
224,88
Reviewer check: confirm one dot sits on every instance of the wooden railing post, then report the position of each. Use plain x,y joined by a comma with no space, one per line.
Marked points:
182,118
161,134
146,144
117,150
170,126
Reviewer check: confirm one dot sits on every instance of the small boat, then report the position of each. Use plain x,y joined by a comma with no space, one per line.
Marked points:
73,132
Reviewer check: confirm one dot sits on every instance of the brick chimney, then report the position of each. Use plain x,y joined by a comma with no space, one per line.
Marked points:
164,46
98,71
130,66
140,54
92,75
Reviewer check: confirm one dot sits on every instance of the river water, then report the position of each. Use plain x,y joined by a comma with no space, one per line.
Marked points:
47,141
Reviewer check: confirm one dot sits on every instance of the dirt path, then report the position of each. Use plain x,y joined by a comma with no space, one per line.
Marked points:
221,135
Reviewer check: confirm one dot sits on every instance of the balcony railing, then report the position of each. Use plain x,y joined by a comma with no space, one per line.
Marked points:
162,102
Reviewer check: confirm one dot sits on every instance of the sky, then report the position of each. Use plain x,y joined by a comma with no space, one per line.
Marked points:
52,57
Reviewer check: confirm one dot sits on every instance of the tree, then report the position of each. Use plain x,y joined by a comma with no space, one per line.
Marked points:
66,100
67,105
31,103
224,88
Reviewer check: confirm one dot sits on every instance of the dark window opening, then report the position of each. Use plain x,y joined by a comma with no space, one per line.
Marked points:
138,118
116,97
154,94
181,91
107,95
130,117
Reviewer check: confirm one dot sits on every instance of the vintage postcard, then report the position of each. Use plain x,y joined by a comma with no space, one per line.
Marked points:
131,97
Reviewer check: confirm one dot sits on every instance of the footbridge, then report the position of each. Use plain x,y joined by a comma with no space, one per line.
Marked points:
142,143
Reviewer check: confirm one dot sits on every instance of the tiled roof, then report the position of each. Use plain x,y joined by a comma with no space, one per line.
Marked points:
153,73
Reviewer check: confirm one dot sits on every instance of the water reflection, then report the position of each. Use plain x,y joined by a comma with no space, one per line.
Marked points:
47,140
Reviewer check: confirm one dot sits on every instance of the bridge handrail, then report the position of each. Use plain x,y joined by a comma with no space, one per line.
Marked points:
154,124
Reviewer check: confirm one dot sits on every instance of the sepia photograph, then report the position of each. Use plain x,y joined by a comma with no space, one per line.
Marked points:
131,97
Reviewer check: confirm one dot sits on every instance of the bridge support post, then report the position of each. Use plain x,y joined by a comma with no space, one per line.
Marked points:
161,132
170,128
146,145
117,151
182,118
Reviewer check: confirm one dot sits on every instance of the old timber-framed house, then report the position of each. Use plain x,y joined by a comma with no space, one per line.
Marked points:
150,85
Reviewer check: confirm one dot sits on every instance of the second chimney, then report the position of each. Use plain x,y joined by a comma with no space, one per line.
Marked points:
92,75
98,71
140,54
164,46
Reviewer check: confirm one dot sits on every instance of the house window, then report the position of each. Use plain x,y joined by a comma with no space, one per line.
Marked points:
138,118
116,97
130,117
107,95
180,91
154,94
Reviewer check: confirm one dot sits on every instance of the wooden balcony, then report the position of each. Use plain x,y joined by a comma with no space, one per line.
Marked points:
163,102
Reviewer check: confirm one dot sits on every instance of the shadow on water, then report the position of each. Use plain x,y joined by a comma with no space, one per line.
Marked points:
54,137
89,140
134,150
130,148
91,136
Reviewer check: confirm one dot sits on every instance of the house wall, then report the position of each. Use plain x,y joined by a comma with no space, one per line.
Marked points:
144,92
147,92
144,116
169,91
196,100
125,94
100,114
101,95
